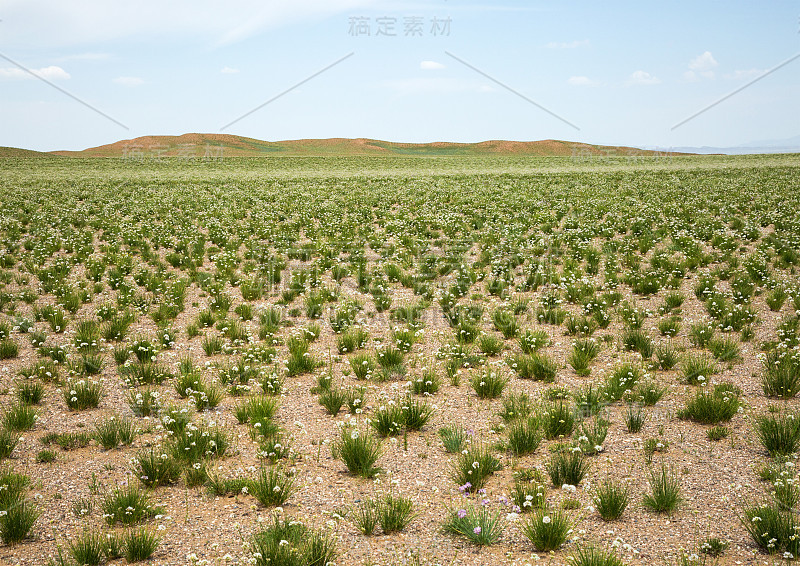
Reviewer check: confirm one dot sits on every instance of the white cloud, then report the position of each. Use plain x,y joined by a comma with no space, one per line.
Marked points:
129,81
568,45
430,66
581,81
51,73
642,78
701,67
703,62
229,71
745,74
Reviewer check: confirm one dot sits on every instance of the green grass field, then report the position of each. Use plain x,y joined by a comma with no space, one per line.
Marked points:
364,342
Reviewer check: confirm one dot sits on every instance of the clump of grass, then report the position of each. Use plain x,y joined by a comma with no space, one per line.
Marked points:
359,451
394,513
781,379
272,486
530,491
516,406
113,431
567,467
772,528
8,441
622,381
547,529
128,506
637,340
701,334
697,369
155,467
725,349
592,436
473,467
649,392
611,499
453,438
293,544
665,492
524,436
717,433
666,357
591,555
351,340
19,417
557,419
18,520
539,367
635,418
86,549
583,353
669,326
488,384
363,366
779,433
532,340
139,544
490,345
426,384
83,394
477,525
30,392
712,406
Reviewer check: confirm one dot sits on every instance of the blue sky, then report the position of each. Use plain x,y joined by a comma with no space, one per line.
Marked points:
600,72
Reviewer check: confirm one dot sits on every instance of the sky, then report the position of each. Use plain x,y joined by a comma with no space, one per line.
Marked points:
82,73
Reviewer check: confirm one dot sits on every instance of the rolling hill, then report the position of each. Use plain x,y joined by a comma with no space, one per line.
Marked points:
198,145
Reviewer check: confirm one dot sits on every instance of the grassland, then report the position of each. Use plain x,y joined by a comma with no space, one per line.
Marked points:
399,360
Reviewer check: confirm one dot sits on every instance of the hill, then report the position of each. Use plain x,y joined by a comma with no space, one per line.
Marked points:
215,145
18,152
